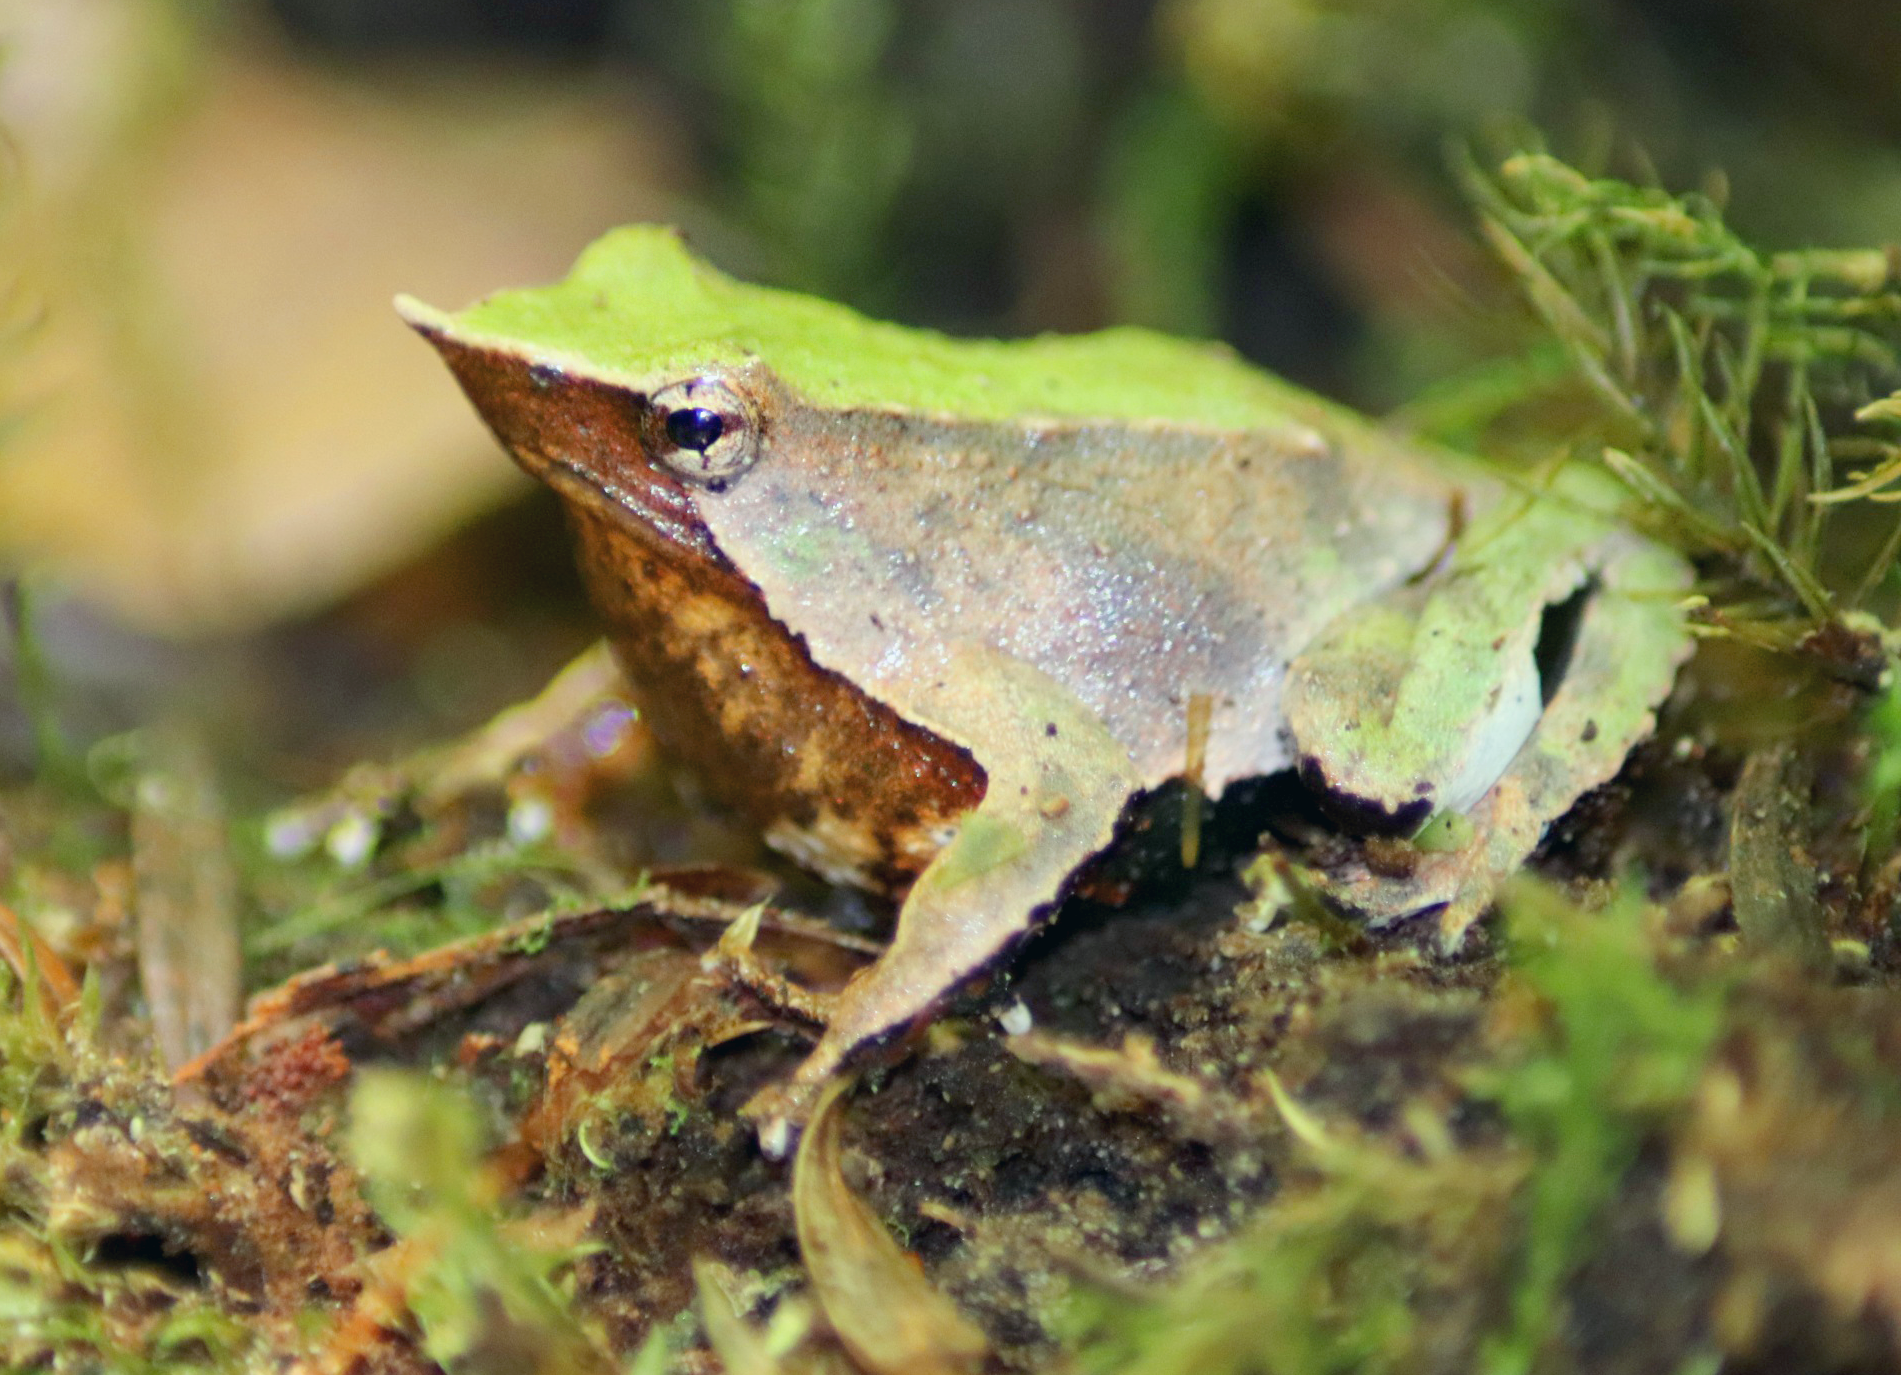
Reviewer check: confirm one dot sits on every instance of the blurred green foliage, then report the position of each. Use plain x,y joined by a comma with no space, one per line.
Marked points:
1722,382
484,1294
819,140
1621,1048
1259,169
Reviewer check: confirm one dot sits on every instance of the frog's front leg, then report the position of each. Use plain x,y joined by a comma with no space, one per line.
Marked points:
1056,784
1435,703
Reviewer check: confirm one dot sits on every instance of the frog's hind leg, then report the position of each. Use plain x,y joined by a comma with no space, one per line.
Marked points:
1057,783
1629,643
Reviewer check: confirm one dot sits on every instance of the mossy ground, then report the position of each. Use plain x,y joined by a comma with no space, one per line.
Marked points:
1645,1120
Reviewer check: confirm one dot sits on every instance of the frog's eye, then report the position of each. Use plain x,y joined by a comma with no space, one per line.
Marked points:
704,432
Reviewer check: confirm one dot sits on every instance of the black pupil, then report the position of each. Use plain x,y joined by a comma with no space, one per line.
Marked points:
695,427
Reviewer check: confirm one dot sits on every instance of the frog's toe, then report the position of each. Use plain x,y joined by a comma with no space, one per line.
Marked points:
779,1113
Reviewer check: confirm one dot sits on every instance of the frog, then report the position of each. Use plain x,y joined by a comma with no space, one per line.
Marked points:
937,612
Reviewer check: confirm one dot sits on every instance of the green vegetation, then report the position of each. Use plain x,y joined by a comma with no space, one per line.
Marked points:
56,761
1327,1280
406,906
1621,1047
477,1285
1727,382
63,1305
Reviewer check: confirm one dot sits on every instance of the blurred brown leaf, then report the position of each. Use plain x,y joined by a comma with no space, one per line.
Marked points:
224,421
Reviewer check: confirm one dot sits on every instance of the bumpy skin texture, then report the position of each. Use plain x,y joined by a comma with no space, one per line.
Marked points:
837,777
920,598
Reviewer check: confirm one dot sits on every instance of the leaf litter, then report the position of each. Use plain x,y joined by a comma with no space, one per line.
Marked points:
1646,1122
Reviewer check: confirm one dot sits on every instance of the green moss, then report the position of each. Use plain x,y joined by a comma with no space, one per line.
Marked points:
1719,374
56,760
1881,781
1379,1251
1622,1047
322,911
34,1056
474,1285
61,1307
1333,1277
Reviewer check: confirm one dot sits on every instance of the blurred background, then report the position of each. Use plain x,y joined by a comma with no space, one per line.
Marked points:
231,479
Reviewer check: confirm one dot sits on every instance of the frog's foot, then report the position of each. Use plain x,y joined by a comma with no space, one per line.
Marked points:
584,711
1630,641
948,932
1056,785
578,720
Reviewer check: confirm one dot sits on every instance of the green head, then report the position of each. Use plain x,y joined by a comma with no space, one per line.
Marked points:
641,312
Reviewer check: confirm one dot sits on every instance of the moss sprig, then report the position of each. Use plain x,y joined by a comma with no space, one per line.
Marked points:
1743,395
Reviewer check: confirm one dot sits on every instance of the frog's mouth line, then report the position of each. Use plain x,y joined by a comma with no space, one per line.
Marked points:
672,525
574,482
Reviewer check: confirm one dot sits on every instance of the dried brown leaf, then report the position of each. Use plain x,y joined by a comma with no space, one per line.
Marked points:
223,362
29,956
189,960
887,1314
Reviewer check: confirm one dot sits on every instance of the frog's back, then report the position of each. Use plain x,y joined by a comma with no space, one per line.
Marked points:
1139,517
1135,565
